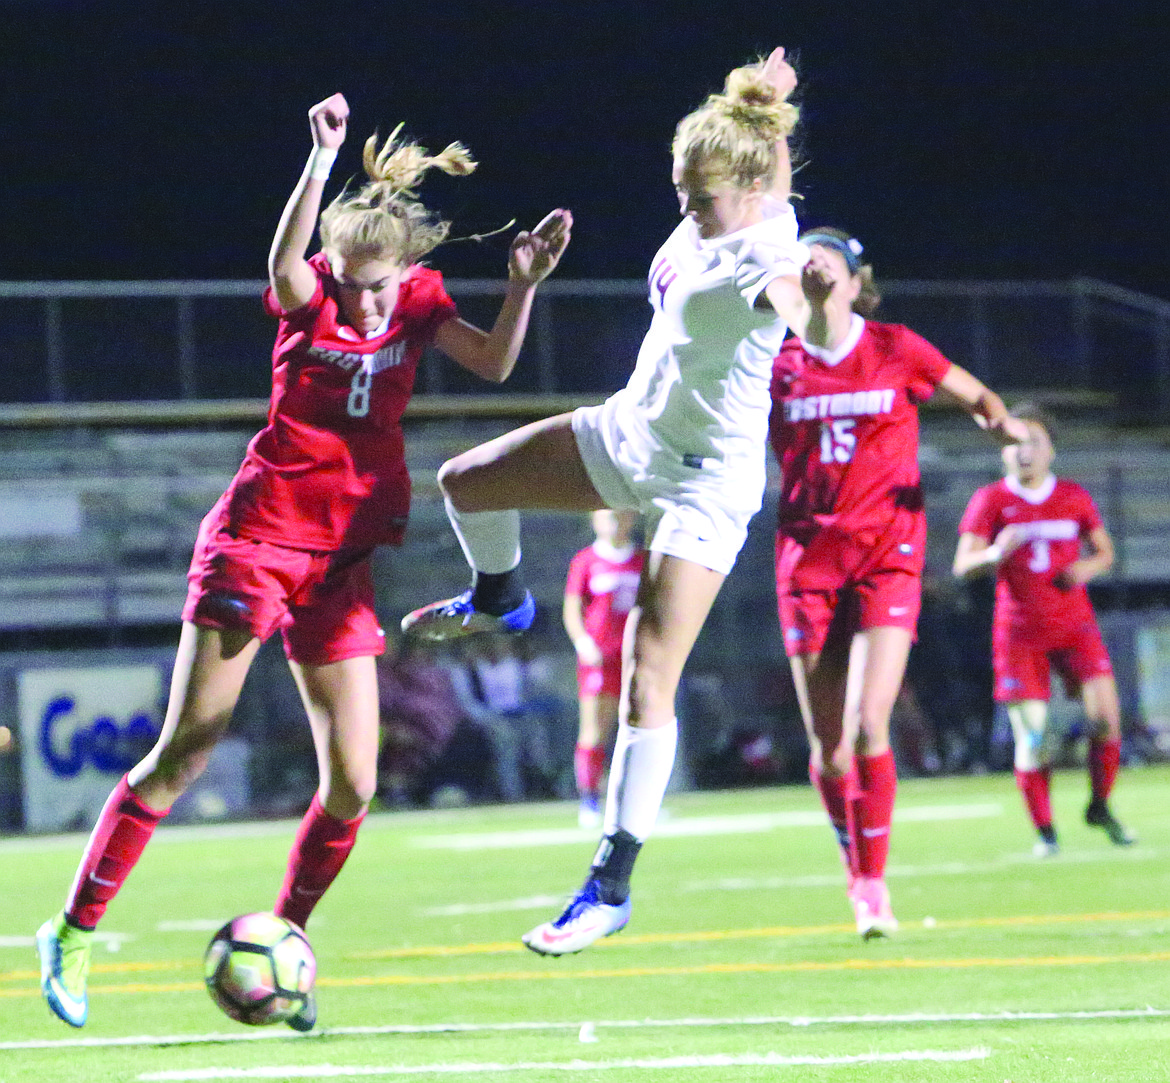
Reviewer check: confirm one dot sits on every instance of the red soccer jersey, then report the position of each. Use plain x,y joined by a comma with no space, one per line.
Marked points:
1055,518
329,469
844,428
607,582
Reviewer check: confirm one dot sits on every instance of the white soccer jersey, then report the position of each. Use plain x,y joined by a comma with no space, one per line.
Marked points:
699,394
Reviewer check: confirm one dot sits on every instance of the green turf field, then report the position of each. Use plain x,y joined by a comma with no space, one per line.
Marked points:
740,962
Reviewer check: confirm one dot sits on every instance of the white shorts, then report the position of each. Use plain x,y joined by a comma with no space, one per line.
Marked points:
684,508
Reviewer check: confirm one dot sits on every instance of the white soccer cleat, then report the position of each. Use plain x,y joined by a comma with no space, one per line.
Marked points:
589,812
871,905
585,920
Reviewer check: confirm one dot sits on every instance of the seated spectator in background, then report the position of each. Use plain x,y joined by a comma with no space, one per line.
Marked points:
499,680
499,750
419,716
950,672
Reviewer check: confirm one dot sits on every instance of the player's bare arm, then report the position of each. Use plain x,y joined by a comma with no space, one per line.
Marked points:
787,299
1094,563
984,405
532,258
975,554
293,280
781,74
572,616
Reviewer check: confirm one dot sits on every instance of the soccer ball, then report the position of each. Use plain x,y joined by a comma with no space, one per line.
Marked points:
259,969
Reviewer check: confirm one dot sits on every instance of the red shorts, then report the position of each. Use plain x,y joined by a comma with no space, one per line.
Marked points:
1022,662
846,584
602,680
323,603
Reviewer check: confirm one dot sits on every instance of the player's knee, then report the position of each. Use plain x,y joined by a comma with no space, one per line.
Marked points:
349,795
839,763
1029,755
457,479
652,693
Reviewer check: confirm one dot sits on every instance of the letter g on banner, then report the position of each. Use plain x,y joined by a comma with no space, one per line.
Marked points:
102,743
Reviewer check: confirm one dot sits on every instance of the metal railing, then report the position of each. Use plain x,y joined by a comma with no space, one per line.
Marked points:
192,341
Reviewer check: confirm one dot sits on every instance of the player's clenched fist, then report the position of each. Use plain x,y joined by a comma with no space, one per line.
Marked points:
328,120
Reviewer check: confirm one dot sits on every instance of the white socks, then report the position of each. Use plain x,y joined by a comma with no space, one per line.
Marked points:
638,774
490,539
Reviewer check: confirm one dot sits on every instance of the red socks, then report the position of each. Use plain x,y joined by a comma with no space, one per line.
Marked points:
1104,759
872,811
836,792
588,767
1034,785
120,835
322,844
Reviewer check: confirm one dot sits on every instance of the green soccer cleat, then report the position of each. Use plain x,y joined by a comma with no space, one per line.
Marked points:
64,952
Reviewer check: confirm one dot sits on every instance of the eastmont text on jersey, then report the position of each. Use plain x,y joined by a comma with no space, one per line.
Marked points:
845,404
385,358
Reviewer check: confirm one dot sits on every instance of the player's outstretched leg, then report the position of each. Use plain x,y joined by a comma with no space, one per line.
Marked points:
1104,760
64,951
871,811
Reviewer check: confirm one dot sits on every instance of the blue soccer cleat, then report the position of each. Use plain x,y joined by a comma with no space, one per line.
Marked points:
456,617
585,920
64,953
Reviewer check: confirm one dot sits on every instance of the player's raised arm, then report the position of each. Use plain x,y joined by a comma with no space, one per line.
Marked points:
292,279
984,405
533,256
781,74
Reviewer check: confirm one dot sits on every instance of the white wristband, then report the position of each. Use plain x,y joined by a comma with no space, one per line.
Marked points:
994,554
321,162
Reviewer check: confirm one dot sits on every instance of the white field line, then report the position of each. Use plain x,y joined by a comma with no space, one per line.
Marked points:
112,941
778,1021
415,819
689,827
710,1060
832,879
532,902
408,819
945,868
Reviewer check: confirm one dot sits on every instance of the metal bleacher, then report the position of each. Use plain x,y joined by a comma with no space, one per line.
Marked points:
98,525
100,499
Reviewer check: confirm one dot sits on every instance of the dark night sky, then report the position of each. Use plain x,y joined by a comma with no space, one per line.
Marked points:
977,139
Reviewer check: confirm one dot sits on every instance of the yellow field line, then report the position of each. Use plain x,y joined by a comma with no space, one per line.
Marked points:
809,966
698,936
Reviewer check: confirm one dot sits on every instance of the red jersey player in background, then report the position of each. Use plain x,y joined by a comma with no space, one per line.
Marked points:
1045,539
600,591
851,540
288,544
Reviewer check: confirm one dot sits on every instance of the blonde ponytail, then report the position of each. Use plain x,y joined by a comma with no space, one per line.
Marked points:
384,219
734,134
